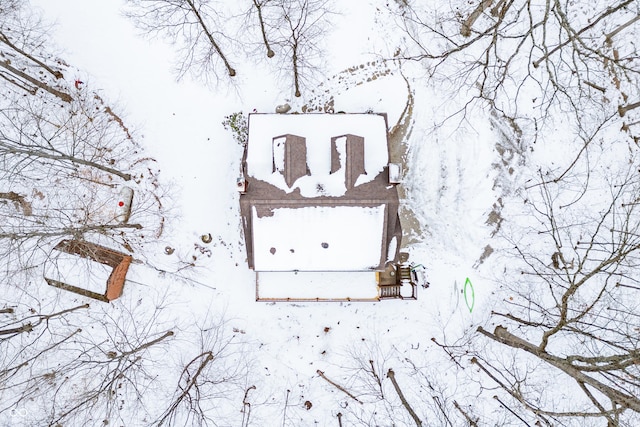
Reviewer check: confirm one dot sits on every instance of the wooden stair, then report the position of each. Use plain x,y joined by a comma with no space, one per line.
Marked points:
403,277
390,291
404,274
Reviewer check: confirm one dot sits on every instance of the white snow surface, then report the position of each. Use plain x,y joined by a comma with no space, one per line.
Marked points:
319,238
450,182
83,273
180,122
317,129
310,285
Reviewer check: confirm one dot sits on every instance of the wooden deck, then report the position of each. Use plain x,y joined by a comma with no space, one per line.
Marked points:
397,281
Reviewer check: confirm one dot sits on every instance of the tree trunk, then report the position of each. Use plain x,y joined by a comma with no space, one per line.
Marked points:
392,376
64,96
56,156
338,386
296,80
503,336
55,73
258,6
468,23
204,27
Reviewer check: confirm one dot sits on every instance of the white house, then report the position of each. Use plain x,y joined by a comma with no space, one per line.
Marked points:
320,215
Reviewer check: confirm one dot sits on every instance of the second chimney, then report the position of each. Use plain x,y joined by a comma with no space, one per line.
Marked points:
348,152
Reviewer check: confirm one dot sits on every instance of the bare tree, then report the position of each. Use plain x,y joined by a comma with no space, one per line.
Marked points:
368,372
82,363
25,65
28,339
257,16
211,386
62,170
203,32
298,28
568,322
195,26
539,64
64,157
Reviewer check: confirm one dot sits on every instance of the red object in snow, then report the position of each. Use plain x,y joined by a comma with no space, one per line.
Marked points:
124,205
78,83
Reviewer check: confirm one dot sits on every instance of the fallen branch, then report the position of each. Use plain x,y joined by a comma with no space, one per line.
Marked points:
338,386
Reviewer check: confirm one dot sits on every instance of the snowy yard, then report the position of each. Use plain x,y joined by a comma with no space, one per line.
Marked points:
507,184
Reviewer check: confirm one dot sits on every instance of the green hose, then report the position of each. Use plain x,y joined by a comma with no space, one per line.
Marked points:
468,285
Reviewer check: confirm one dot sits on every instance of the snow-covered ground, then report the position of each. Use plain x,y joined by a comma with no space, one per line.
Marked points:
452,184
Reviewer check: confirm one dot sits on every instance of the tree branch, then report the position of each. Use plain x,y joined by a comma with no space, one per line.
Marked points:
63,96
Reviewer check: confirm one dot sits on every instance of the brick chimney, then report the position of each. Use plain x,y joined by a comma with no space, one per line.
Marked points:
347,152
290,157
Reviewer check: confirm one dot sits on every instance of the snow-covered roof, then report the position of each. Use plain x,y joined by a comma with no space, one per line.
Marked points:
318,131
319,238
318,196
310,285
